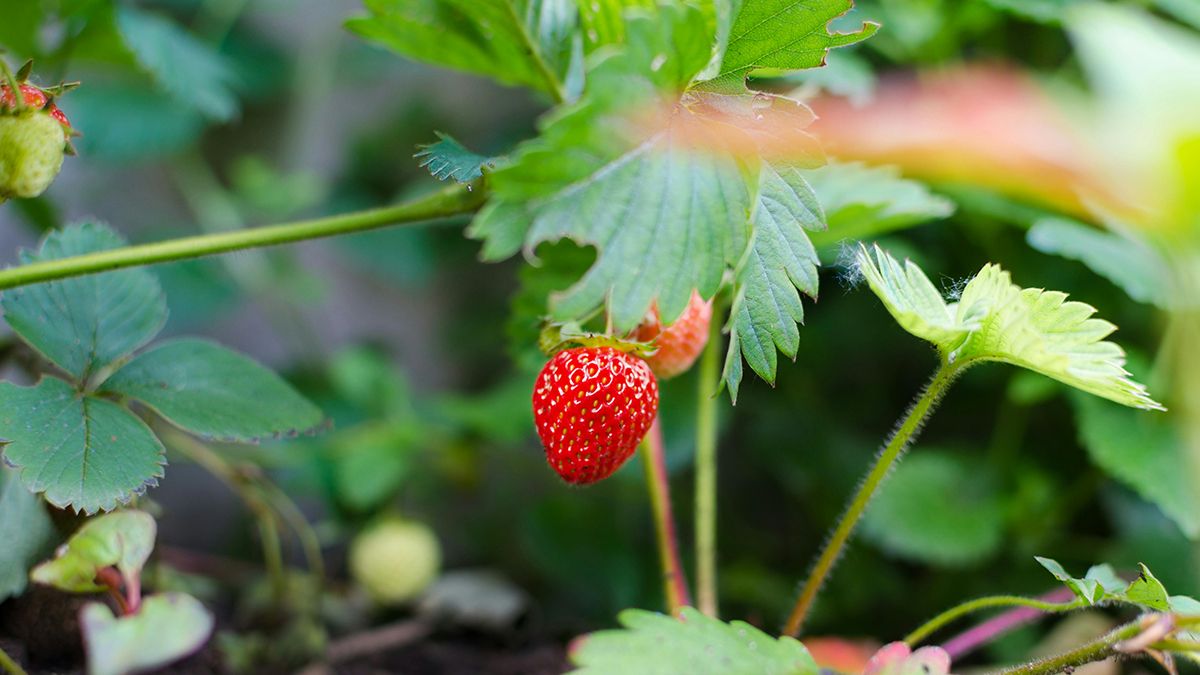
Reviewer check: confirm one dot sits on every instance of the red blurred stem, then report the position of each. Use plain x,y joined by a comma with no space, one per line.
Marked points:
127,602
674,580
970,640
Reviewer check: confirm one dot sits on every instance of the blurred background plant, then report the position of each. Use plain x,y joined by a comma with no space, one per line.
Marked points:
210,115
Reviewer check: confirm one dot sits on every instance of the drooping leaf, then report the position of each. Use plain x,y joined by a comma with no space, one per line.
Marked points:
85,323
864,201
1123,260
189,69
449,159
212,391
938,508
522,42
780,264
82,452
167,627
996,320
25,529
123,540
1144,452
783,34
656,644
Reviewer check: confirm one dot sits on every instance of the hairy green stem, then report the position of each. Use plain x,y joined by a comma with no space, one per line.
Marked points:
909,427
10,666
989,602
455,200
675,587
706,471
1097,650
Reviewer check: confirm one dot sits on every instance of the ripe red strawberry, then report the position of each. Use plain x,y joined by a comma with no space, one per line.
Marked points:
680,344
592,406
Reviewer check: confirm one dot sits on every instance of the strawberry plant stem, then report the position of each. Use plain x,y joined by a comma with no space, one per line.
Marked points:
909,427
706,471
455,200
8,665
1099,649
990,602
674,580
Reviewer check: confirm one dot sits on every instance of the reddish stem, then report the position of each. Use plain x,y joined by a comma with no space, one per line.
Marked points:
127,602
674,580
989,630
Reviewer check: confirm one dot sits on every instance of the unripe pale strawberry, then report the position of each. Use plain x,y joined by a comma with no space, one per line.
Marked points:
32,144
679,344
592,406
395,560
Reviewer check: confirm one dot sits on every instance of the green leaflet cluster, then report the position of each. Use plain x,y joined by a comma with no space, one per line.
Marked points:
659,156
1101,584
74,438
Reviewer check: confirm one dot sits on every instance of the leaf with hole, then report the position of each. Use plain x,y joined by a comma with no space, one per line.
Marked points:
85,323
82,452
214,392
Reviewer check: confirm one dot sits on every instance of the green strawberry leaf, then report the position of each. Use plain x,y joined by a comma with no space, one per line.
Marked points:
1148,591
123,540
449,159
867,201
82,452
1121,258
656,644
190,70
1143,452
167,627
26,530
520,42
939,508
780,264
782,34
85,323
1102,584
996,320
214,392
1089,589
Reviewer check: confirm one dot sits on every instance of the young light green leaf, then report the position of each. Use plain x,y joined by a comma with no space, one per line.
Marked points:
83,452
123,540
864,201
1143,452
25,529
1122,259
780,263
189,69
1089,590
449,159
995,320
85,323
939,508
167,627
783,34
522,42
217,393
1148,591
656,644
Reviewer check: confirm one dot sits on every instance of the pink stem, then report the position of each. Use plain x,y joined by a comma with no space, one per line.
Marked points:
989,630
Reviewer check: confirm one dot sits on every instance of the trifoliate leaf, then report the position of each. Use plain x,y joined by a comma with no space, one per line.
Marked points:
189,69
83,452
1102,584
781,262
1087,589
864,201
522,42
212,391
1143,452
449,159
995,320
940,508
783,34
85,323
1124,260
25,529
123,540
656,644
167,627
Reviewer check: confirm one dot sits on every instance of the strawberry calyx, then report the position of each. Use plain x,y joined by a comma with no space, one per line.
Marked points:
557,337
